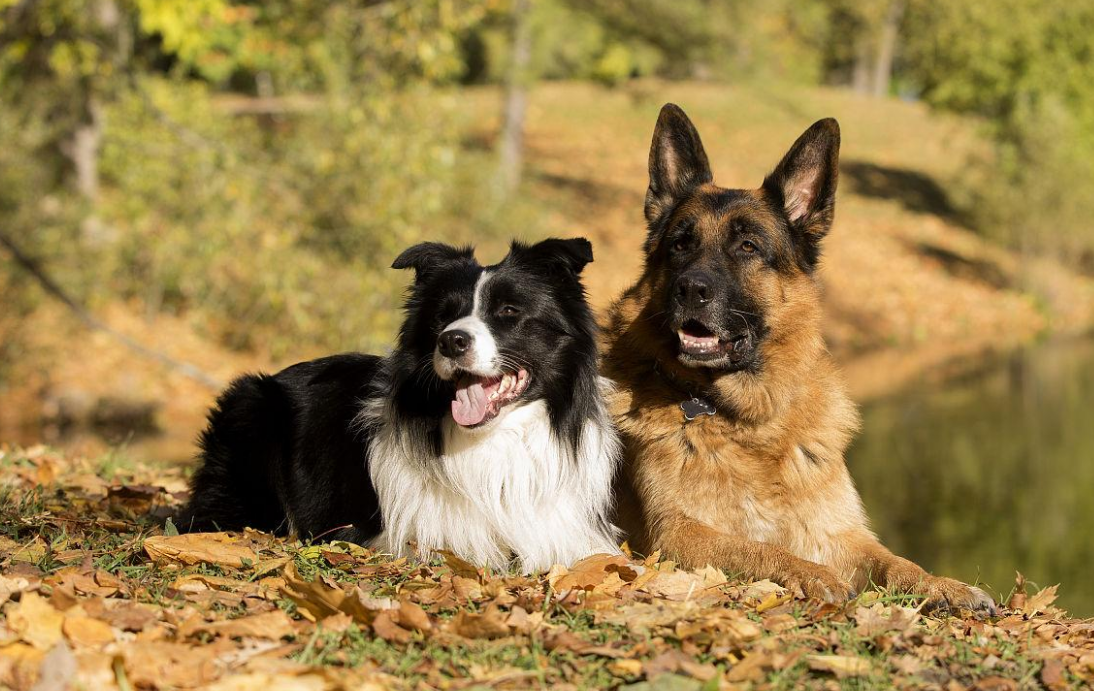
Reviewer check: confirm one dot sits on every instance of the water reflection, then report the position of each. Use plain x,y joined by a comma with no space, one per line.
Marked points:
990,473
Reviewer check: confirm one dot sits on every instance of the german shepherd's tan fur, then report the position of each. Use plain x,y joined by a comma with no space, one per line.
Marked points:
759,488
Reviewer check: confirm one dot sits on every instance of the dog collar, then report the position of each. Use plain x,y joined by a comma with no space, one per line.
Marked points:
695,406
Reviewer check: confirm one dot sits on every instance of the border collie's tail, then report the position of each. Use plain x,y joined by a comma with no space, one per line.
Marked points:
244,446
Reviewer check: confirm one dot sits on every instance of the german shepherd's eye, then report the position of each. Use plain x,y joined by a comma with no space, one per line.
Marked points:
749,247
508,311
683,243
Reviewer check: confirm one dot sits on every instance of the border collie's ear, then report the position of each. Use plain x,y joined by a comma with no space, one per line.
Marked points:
428,256
804,182
571,254
678,162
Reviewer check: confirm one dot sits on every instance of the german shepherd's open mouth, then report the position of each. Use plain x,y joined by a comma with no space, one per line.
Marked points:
701,344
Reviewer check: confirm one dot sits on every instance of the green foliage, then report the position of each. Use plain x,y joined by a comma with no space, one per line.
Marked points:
1023,65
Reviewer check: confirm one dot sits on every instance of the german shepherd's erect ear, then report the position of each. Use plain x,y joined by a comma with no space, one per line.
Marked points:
804,184
678,163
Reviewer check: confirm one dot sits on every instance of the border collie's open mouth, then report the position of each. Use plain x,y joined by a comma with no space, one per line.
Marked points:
699,341
480,399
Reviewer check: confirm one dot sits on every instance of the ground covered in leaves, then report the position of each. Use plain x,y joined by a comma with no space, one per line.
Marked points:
98,591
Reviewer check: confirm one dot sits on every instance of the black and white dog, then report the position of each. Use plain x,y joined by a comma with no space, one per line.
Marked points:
484,432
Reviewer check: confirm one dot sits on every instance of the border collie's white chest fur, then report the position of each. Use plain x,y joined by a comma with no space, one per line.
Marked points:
509,492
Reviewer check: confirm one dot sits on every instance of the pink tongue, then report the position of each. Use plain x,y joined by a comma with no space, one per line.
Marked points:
469,407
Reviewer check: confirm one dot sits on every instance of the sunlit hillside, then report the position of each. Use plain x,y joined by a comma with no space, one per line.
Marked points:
900,270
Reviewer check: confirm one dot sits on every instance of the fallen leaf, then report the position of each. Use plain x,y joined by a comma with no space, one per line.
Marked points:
199,548
36,621
995,683
677,585
13,586
384,627
489,624
196,582
273,625
625,668
590,572
459,566
317,599
1041,601
87,632
840,665
878,619
413,617
1052,673
58,670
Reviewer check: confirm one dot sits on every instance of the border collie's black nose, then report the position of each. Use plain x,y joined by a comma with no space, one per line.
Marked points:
454,343
694,289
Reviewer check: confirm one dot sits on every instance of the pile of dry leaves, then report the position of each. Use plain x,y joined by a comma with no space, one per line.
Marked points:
98,592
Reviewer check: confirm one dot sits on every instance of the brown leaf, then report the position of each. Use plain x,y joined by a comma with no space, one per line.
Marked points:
197,582
778,623
1052,673
752,668
459,566
161,664
336,558
489,624
995,684
198,548
413,617
840,665
318,599
273,626
387,629
879,619
590,572
677,585
1041,601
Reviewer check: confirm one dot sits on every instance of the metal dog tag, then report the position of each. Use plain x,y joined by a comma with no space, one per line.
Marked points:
696,407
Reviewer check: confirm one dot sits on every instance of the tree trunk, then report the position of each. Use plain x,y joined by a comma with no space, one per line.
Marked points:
886,48
82,149
516,100
860,71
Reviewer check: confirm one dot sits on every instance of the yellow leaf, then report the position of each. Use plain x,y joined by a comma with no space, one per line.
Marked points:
840,665
87,632
36,621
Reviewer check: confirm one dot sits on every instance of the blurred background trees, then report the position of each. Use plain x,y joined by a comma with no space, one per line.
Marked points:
262,161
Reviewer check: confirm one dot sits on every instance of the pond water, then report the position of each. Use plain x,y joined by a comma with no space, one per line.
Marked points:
990,473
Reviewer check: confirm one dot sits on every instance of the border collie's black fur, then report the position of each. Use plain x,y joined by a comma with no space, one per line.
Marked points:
484,432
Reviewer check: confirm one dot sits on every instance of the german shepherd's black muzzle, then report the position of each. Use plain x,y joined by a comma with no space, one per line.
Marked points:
716,325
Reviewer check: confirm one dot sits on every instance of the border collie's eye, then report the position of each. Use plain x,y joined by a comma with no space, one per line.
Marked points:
749,247
508,311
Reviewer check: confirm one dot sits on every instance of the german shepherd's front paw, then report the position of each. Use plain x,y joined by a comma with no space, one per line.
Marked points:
818,582
949,594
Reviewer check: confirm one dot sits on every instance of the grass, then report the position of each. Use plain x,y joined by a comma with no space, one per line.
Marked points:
74,549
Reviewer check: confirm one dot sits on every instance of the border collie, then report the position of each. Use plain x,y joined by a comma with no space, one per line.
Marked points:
484,433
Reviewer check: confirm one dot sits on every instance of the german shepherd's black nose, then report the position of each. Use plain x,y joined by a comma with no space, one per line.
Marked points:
694,289
454,343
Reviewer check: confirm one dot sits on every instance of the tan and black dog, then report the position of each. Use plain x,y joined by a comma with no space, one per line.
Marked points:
733,415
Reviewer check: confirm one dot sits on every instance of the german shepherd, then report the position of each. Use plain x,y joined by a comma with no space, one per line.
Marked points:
733,416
